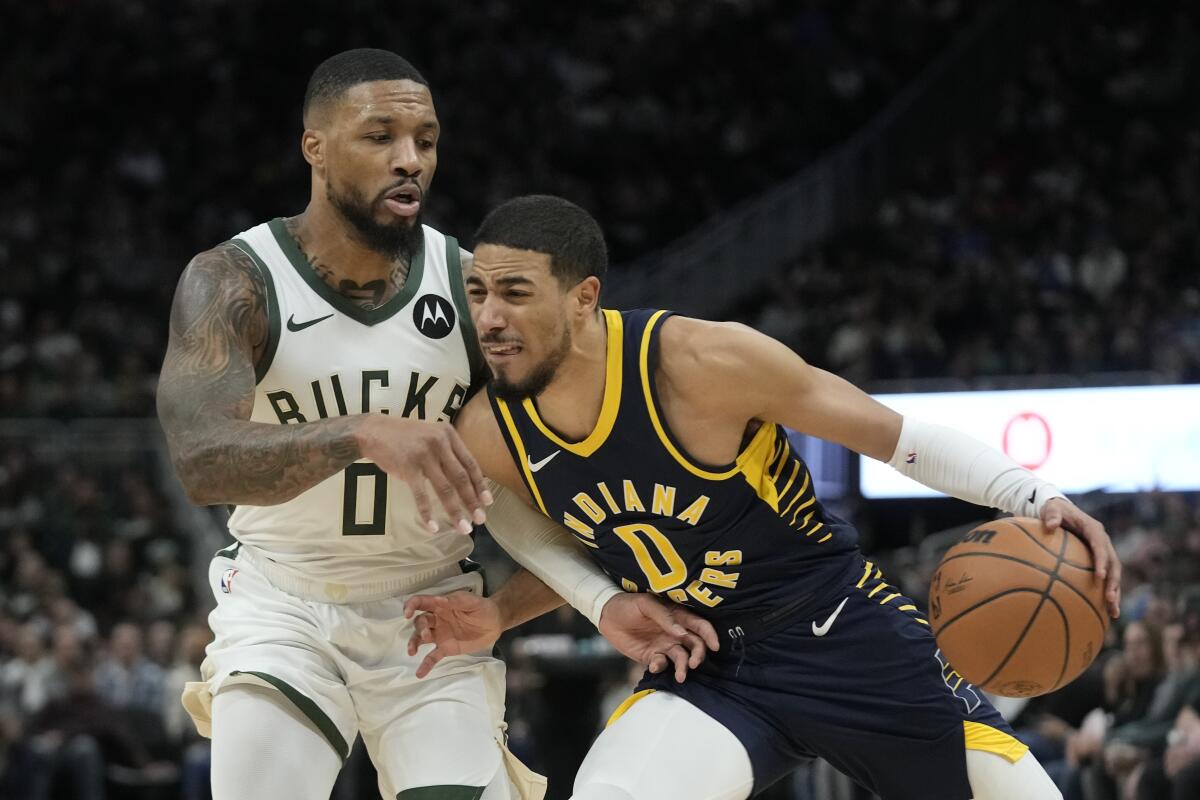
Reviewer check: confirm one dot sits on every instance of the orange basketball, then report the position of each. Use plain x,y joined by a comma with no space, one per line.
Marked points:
1018,610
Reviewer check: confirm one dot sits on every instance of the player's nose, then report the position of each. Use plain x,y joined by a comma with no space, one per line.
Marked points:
489,316
405,158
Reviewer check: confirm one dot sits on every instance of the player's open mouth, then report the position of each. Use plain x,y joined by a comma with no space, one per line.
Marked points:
404,201
499,352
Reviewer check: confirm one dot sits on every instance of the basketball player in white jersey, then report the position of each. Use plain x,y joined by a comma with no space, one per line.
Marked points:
312,364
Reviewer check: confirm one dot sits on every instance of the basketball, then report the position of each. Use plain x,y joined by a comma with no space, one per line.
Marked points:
1018,610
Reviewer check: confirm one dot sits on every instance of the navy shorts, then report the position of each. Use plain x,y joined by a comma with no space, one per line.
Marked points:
856,679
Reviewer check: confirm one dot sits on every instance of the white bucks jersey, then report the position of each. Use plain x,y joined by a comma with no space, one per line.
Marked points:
326,357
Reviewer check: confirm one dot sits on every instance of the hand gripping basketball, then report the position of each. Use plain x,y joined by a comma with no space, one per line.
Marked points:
1018,608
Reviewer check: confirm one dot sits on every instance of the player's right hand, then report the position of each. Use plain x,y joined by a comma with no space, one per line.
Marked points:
428,455
455,623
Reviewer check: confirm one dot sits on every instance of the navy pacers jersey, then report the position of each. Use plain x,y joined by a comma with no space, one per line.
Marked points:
732,537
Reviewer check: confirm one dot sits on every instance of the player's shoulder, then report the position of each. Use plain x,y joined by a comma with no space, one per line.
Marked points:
227,264
698,347
479,429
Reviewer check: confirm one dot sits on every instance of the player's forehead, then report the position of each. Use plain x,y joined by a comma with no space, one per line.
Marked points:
402,101
494,262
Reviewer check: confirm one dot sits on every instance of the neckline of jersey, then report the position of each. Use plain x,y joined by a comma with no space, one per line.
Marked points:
291,250
609,406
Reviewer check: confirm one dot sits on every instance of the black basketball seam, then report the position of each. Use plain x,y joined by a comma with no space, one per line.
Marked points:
1042,570
1029,623
1067,643
981,603
1034,539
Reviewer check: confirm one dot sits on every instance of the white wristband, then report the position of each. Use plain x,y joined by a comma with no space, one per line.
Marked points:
546,549
960,466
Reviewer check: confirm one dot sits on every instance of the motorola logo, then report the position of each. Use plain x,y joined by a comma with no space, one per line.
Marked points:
434,316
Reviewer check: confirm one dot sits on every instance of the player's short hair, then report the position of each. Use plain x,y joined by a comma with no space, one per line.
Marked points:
336,74
551,225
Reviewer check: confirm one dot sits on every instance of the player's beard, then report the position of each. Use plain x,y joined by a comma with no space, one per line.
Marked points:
539,377
399,240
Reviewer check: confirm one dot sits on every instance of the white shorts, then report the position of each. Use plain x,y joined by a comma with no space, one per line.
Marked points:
346,667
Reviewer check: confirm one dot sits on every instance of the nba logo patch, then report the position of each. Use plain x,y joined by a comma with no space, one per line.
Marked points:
911,458
227,580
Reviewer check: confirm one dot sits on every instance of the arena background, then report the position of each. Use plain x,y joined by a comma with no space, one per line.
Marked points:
922,195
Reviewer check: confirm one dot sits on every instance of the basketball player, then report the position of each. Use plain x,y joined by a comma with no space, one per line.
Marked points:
659,441
313,363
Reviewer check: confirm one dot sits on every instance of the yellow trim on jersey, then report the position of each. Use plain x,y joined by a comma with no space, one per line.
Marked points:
612,396
989,740
523,454
643,362
754,464
628,704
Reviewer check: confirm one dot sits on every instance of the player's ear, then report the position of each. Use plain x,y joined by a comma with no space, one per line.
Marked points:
312,146
587,295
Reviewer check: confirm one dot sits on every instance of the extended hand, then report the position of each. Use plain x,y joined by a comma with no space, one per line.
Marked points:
428,454
456,623
1060,512
655,633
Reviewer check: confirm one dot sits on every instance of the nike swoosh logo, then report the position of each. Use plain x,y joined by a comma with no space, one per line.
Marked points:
823,628
1033,497
294,326
534,466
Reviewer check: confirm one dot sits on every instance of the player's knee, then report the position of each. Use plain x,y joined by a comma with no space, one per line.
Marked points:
600,791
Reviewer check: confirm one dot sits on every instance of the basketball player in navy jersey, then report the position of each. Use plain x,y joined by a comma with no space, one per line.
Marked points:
659,441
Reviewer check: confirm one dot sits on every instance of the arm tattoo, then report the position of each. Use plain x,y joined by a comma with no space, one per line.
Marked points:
206,394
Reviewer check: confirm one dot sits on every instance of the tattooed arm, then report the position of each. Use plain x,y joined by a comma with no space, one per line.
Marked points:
206,395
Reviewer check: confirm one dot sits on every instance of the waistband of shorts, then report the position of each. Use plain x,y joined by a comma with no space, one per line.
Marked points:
287,580
737,629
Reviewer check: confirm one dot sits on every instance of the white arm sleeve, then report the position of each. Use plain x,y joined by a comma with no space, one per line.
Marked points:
546,549
960,466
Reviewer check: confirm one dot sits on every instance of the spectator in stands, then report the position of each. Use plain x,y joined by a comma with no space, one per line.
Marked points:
126,678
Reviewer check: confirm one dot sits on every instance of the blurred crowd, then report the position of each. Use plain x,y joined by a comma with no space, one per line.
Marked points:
1064,240
99,629
135,134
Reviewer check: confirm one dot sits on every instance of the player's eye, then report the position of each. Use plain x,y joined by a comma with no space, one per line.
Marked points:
426,144
378,137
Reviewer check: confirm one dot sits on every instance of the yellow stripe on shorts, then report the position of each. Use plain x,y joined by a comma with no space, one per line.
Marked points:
628,704
989,740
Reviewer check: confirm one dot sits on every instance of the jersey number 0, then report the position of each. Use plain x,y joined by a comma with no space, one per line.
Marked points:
361,499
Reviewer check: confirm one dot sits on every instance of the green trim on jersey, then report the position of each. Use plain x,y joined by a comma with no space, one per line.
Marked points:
273,315
442,793
465,324
307,707
326,292
229,552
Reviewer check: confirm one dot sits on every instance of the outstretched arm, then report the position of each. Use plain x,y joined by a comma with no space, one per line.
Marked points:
736,374
206,395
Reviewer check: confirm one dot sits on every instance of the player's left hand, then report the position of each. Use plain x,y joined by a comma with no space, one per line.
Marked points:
1060,512
456,623
658,634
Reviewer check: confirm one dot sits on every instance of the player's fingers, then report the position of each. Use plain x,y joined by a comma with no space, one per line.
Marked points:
430,661
447,495
658,662
700,627
660,615
679,657
420,635
458,474
474,473
416,485
1114,585
697,652
429,603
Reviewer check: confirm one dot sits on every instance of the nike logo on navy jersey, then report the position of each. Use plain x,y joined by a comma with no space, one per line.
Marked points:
534,466
823,628
294,326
